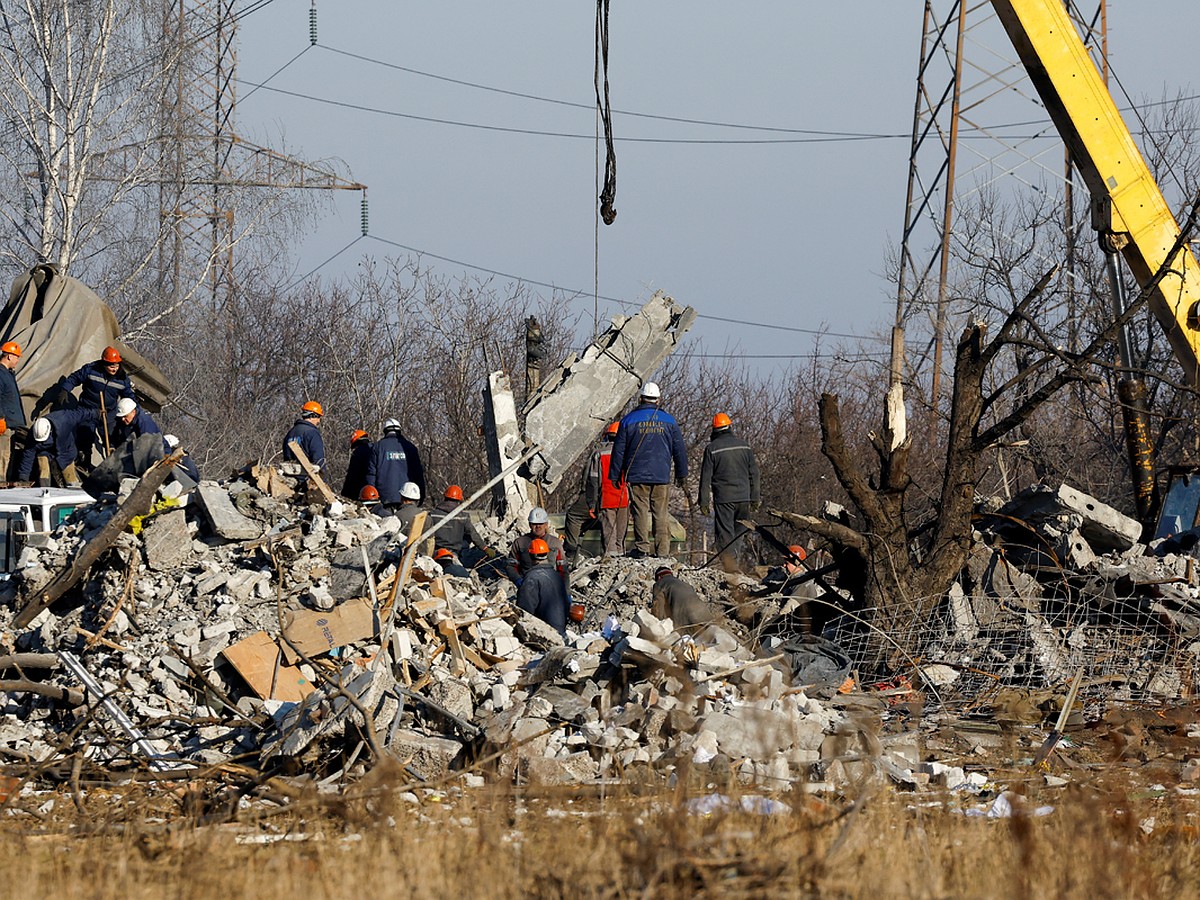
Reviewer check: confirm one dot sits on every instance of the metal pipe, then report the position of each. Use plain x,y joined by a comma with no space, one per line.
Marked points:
1117,290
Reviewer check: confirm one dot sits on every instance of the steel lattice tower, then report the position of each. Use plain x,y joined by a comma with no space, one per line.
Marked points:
969,78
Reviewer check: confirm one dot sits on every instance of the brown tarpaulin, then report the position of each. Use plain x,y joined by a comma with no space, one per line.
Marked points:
61,324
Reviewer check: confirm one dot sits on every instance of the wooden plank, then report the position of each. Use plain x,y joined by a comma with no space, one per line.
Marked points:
474,658
401,578
311,471
136,504
258,659
458,662
314,633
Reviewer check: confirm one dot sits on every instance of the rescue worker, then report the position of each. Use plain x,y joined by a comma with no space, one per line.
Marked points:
393,462
52,446
542,592
131,422
12,413
369,497
451,535
307,433
450,564
356,469
675,599
171,442
729,485
521,559
648,442
799,610
410,497
599,502
101,385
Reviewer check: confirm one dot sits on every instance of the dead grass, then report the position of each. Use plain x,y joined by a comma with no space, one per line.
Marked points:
501,843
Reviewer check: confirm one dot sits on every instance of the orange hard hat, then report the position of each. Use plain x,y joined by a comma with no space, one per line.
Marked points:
538,547
721,420
454,492
110,355
312,408
358,435
798,551
11,347
613,428
443,553
369,492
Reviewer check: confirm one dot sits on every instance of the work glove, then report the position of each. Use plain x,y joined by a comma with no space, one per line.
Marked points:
490,552
754,505
704,509
680,481
591,512
62,398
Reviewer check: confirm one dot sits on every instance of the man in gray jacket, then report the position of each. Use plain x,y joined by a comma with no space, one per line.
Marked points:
729,483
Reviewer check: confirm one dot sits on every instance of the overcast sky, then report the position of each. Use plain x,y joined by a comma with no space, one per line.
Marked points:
793,234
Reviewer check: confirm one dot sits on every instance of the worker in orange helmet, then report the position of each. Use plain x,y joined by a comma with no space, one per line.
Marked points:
356,468
306,432
459,528
450,563
542,592
102,384
12,414
600,502
729,486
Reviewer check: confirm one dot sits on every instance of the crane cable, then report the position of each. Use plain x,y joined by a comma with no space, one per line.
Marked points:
607,211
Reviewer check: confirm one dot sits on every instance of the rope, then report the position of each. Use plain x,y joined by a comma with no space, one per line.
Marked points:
607,211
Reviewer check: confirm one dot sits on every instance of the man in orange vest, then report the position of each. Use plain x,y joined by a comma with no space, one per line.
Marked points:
599,502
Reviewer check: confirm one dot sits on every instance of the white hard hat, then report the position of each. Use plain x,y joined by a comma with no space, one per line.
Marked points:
172,440
125,406
410,491
538,516
391,425
650,391
41,429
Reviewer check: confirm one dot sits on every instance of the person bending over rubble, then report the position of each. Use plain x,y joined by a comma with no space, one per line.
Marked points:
786,580
307,433
131,422
521,559
675,599
542,592
52,446
648,443
450,564
356,469
394,462
171,444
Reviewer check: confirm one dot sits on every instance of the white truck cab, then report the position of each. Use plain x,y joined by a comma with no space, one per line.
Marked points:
34,509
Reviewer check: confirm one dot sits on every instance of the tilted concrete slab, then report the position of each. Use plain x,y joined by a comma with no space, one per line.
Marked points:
505,446
1103,527
588,391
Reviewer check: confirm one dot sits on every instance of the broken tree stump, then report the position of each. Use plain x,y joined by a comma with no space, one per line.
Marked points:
136,504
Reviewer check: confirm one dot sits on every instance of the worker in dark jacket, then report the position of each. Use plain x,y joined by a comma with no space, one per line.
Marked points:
12,414
101,385
451,535
307,433
356,469
599,502
542,592
648,443
131,422
520,556
729,486
171,444
394,461
675,599
52,446
410,506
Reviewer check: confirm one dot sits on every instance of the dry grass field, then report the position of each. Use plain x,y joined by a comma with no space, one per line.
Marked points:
1108,839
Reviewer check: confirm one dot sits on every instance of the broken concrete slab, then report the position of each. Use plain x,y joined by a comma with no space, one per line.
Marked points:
1104,527
166,540
224,518
502,436
430,756
586,392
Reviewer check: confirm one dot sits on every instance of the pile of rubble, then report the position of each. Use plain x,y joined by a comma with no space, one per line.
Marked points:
243,625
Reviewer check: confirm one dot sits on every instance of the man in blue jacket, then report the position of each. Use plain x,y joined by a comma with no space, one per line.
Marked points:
307,433
648,443
394,462
52,441
132,422
101,384
12,414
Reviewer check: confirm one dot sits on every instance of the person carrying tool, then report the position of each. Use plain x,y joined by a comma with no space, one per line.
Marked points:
521,559
307,433
648,442
102,383
599,501
542,592
52,446
131,422
356,469
394,462
729,485
12,413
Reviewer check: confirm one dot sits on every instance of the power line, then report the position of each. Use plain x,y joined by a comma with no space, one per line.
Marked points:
574,292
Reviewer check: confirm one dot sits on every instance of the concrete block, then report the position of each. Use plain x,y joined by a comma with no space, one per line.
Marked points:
430,756
574,768
224,518
747,731
166,540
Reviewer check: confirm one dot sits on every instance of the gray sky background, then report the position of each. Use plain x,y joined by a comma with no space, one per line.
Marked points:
793,233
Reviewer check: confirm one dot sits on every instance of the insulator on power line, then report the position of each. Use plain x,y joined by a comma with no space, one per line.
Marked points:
312,23
365,217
